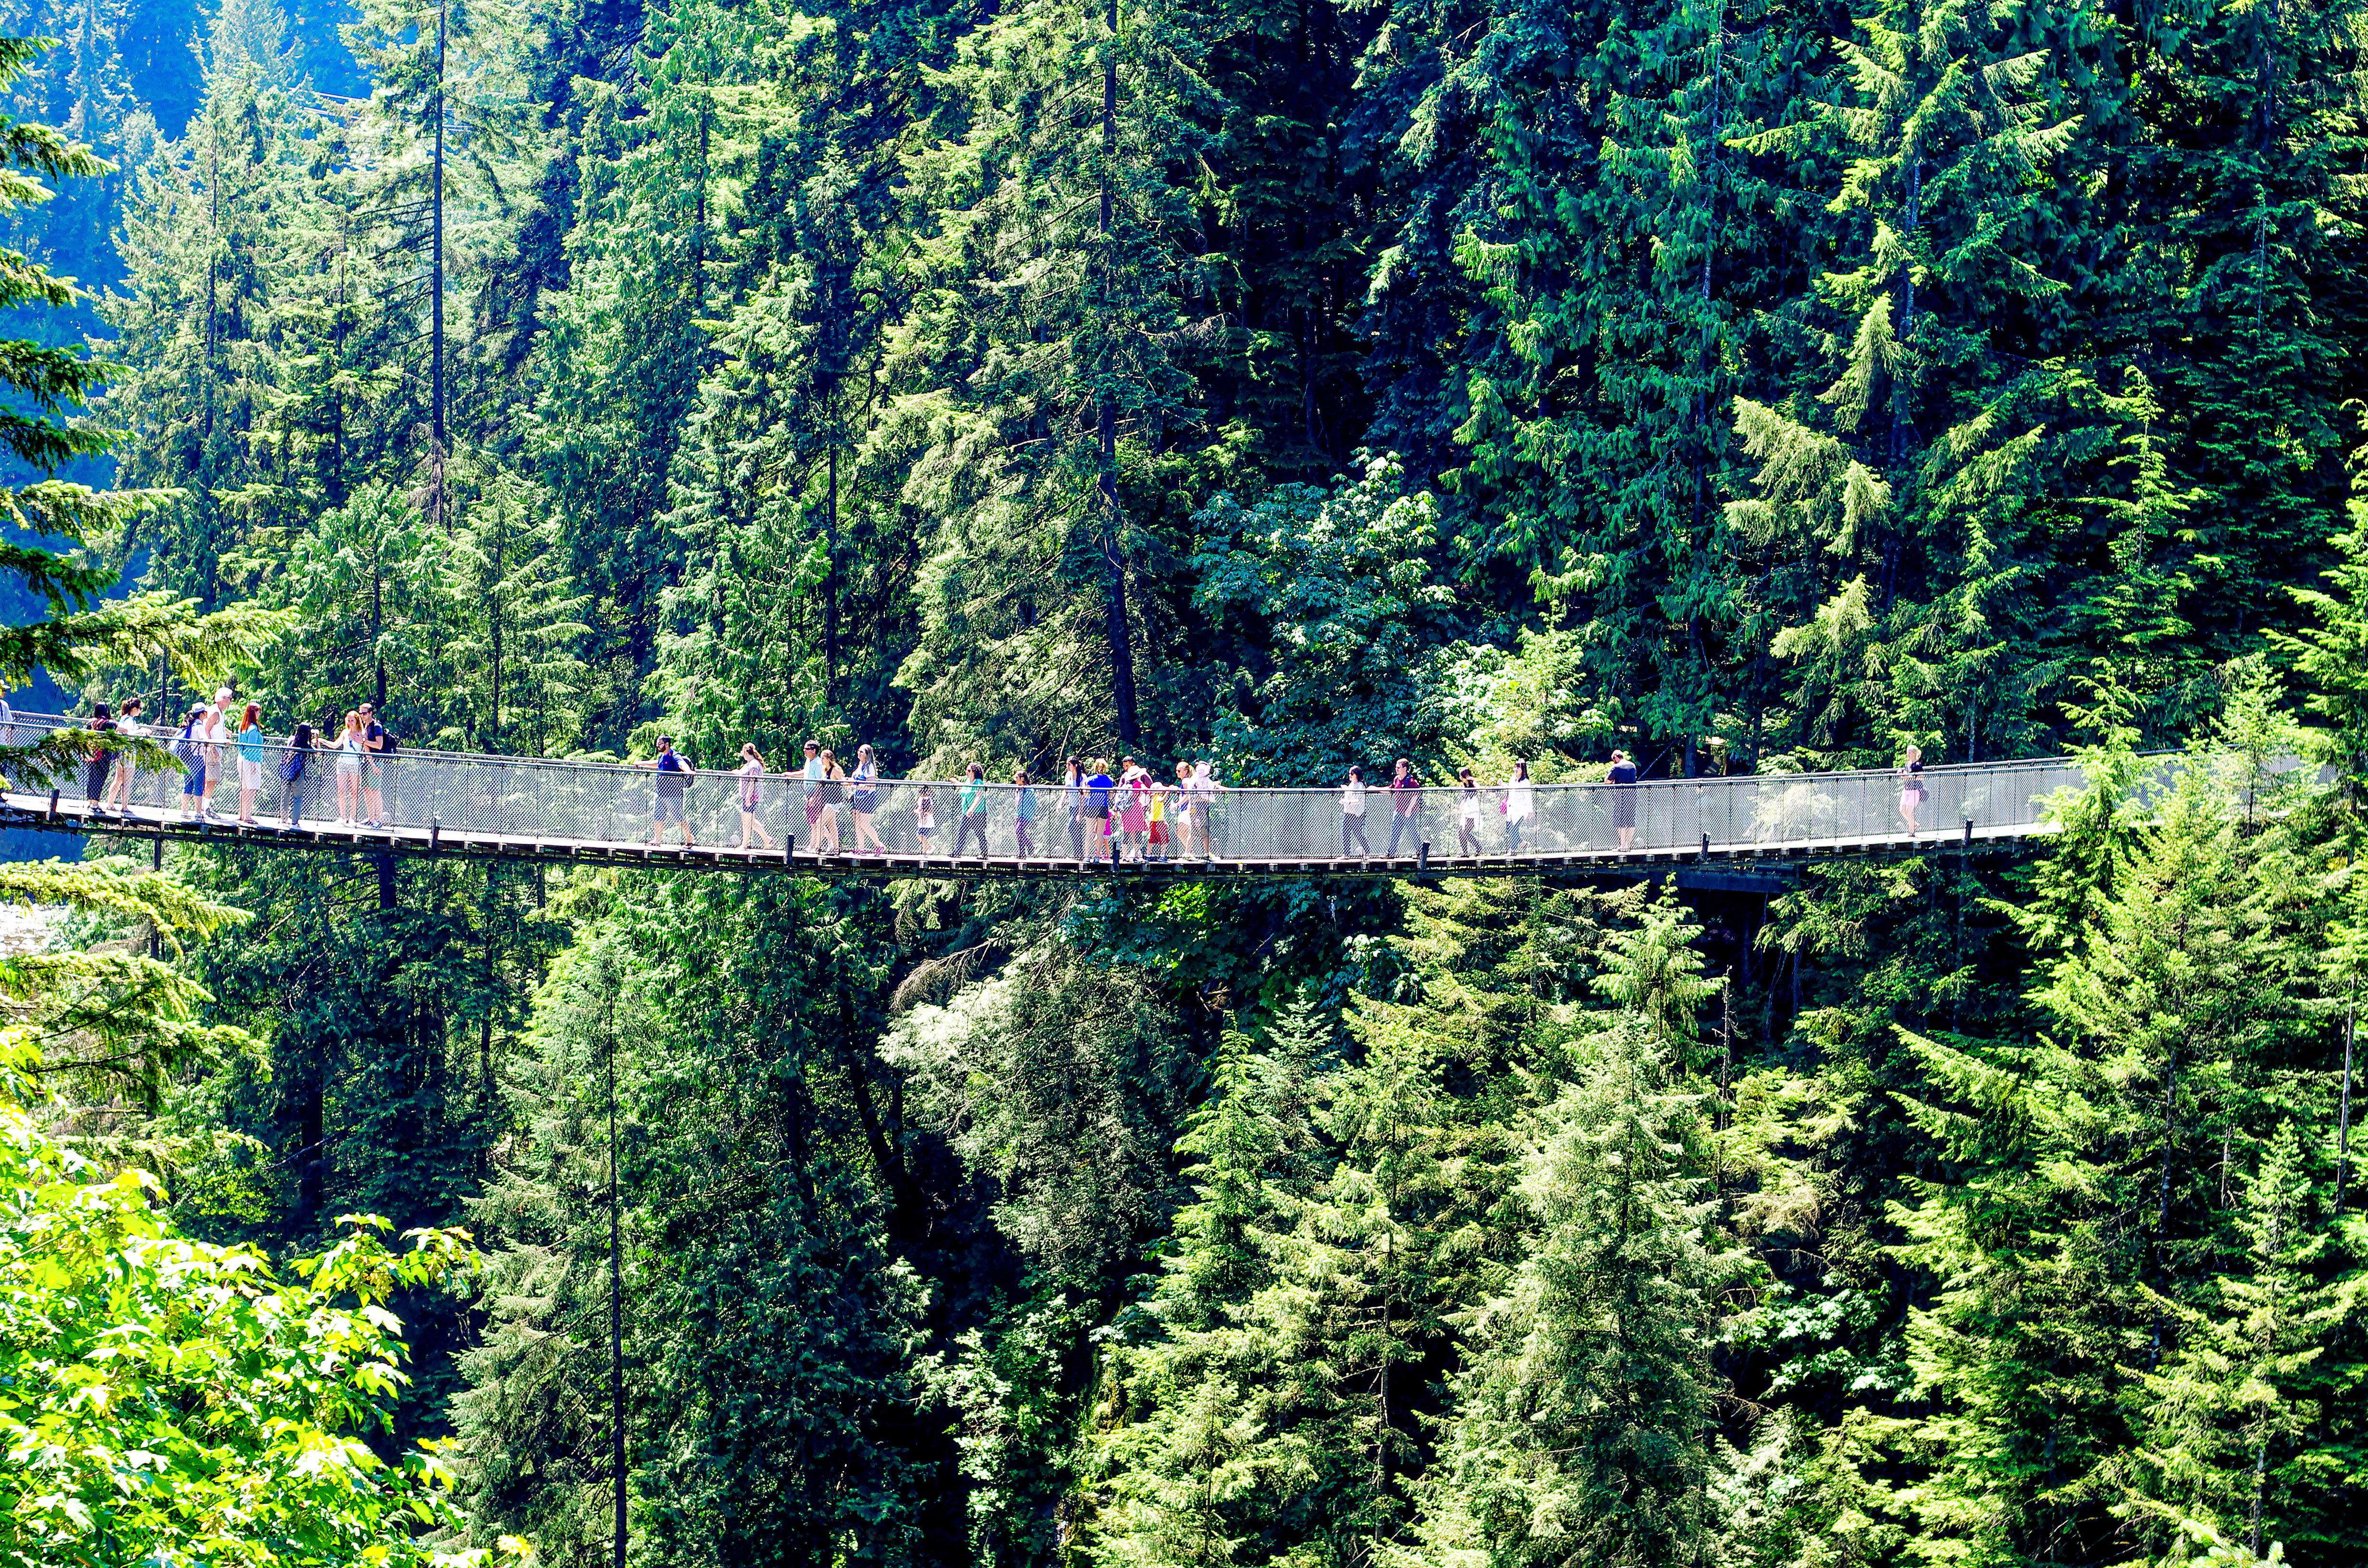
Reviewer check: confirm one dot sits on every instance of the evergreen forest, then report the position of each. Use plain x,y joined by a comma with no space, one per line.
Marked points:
1749,385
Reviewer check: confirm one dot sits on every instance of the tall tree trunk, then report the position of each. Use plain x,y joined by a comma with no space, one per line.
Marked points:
830,576
616,1324
2162,1197
1121,653
2343,1111
436,300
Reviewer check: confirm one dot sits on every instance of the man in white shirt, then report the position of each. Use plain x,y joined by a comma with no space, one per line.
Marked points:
1203,794
217,739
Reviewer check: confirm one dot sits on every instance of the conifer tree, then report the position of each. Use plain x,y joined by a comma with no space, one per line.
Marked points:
1244,1417
1042,340
2232,1423
1583,1421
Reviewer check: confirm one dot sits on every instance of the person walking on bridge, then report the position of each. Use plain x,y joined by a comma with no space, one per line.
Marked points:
1073,797
350,755
1352,815
216,737
971,798
674,778
250,761
295,773
834,789
864,800
1098,810
1024,819
190,751
126,724
97,760
811,774
1467,813
1521,803
1204,791
1158,838
1911,793
751,773
1405,796
1136,815
1622,777
1179,810
377,746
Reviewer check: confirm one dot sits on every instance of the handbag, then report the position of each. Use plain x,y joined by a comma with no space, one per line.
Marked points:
292,768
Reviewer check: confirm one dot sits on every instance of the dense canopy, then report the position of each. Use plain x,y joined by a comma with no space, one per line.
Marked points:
1734,387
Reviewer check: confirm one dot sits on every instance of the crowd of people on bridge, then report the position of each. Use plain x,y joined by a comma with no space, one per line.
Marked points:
222,740
1115,815
1121,814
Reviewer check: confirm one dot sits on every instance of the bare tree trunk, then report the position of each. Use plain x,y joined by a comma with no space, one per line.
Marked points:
1122,653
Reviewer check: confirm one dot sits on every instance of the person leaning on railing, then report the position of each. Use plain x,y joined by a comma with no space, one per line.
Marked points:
673,781
96,761
296,773
1622,776
119,787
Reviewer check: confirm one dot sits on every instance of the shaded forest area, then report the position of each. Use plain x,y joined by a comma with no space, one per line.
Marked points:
1750,384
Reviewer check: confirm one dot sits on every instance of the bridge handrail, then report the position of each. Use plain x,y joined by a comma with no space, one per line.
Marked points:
23,719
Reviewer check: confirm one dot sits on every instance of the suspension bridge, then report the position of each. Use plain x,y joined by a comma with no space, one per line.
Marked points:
1711,832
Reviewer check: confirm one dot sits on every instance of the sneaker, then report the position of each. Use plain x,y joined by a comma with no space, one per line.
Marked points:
370,823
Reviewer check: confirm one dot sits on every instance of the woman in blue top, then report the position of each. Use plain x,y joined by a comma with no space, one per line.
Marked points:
1098,803
1024,813
189,748
250,761
972,797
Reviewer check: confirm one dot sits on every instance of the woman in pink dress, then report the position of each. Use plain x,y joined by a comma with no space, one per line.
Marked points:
1136,819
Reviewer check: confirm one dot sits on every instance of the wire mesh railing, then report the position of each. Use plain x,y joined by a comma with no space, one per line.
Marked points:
543,801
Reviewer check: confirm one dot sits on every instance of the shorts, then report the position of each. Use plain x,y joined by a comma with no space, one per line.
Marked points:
250,774
1159,833
814,810
193,783
863,802
669,809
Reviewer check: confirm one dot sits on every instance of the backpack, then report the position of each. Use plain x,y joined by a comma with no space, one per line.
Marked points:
292,768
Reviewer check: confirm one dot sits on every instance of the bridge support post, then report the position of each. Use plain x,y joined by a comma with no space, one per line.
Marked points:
53,805
1422,856
1969,833
435,832
1705,854
789,847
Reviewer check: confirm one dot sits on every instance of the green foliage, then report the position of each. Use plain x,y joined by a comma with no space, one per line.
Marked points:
167,1397
1743,385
